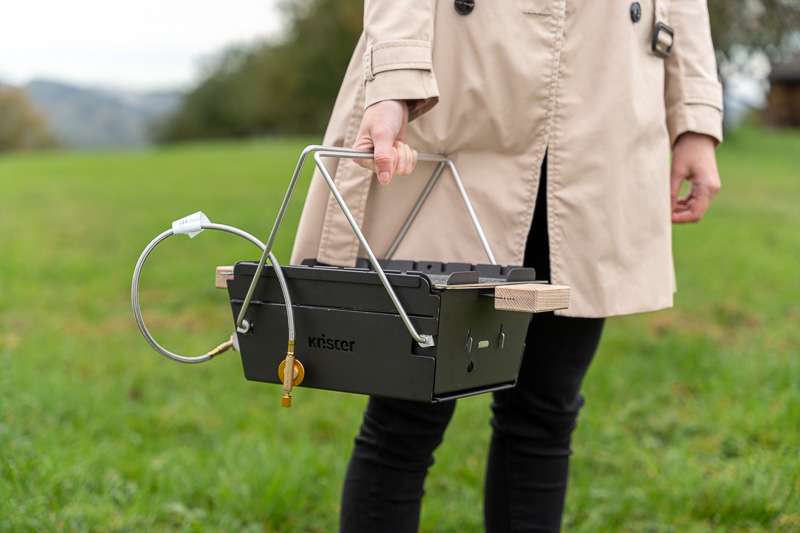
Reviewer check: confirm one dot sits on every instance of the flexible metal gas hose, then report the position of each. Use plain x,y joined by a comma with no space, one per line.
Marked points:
232,342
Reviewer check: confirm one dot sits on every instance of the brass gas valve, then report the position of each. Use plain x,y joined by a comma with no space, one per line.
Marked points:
291,374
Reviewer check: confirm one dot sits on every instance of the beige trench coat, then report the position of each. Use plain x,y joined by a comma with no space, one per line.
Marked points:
494,90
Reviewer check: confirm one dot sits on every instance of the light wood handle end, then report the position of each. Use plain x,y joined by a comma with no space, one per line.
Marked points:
224,274
531,298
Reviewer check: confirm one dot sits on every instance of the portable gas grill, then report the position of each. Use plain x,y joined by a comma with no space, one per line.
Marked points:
426,331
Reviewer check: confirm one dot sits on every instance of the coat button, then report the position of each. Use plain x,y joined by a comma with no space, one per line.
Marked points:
464,7
636,12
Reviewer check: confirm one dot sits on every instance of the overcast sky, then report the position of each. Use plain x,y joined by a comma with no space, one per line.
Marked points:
138,44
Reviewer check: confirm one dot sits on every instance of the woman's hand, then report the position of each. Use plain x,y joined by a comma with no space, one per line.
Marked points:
693,160
382,130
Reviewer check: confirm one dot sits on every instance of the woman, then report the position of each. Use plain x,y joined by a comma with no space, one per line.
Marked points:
561,115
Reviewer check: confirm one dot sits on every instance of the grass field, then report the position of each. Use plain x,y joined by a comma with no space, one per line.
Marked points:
692,420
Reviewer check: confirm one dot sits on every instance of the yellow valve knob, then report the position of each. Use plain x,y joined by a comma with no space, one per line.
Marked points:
290,374
299,372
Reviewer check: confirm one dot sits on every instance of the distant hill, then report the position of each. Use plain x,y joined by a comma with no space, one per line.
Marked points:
87,117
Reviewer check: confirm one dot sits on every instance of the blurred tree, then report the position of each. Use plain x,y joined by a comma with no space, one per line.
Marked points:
750,34
771,27
21,126
283,87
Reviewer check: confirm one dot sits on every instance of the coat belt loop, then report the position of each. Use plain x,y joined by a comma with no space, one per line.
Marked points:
660,12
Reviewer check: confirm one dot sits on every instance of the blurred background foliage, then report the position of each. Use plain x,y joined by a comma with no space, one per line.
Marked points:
281,87
766,26
22,127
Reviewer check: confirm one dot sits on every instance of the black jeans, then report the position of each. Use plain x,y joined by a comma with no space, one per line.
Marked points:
532,424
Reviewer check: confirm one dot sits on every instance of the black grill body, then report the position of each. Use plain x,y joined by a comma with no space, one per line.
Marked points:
350,337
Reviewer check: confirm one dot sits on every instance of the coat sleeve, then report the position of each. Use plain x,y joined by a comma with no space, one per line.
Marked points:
398,63
693,92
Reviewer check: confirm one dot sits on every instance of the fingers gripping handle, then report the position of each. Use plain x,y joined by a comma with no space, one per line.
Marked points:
320,152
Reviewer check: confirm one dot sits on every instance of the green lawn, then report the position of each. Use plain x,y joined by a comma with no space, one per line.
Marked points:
692,420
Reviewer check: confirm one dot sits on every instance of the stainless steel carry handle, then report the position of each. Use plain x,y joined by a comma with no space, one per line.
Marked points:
321,152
